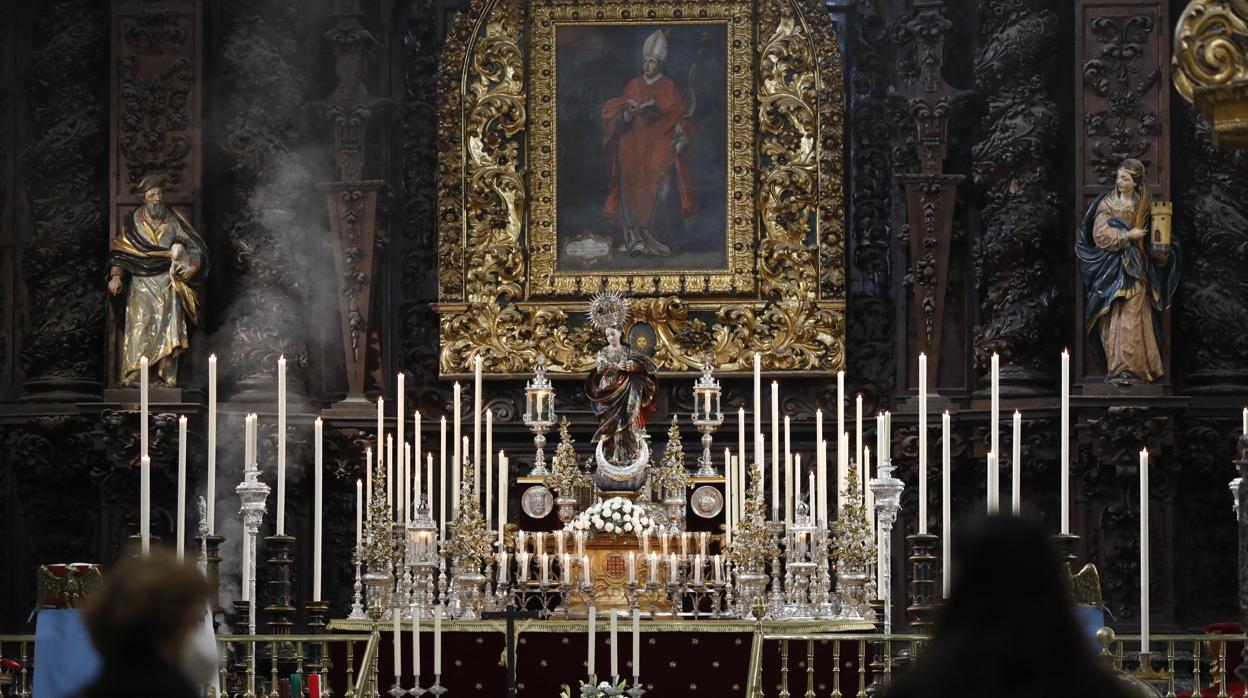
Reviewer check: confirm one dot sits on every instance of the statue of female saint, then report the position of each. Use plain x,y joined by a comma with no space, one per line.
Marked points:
1128,287
160,252
622,388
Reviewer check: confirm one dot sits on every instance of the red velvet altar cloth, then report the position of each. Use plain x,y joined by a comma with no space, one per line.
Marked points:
676,663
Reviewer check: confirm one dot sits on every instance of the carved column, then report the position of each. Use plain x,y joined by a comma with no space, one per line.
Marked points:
157,82
352,200
930,193
1122,110
268,201
1014,169
63,167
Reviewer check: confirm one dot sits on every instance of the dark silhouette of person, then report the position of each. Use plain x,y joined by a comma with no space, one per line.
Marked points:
140,620
1008,627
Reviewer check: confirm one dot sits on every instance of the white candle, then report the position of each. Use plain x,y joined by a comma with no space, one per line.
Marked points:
758,407
456,455
922,444
398,646
729,503
810,491
788,487
145,503
442,482
888,437
707,399
615,656
281,446
400,428
821,467
1016,486
1065,442
503,489
842,472
868,496
775,471
406,499
368,480
418,458
543,563
632,568
717,562
946,509
592,619
1244,428
797,480
994,428
181,487
653,561
1144,608
381,435
489,467
740,432
697,570
143,407
359,514
840,403
636,647
565,565
858,435
211,488
318,511
775,422
993,487
476,425
427,490
437,640
673,568
416,645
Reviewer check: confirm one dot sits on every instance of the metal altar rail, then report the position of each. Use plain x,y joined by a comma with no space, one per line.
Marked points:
862,664
295,654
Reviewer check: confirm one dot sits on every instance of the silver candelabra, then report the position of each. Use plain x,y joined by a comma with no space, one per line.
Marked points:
539,413
707,416
887,490
252,493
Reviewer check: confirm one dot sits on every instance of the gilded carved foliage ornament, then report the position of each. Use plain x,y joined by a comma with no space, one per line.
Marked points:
1211,65
501,293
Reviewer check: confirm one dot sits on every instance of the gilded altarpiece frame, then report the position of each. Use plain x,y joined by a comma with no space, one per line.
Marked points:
781,288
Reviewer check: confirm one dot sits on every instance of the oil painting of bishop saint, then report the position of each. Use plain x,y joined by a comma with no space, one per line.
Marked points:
642,152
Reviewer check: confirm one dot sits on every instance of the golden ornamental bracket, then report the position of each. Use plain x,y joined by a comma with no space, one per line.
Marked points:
1211,65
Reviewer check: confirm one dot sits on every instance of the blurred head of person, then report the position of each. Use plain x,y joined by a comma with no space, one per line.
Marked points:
146,608
1008,626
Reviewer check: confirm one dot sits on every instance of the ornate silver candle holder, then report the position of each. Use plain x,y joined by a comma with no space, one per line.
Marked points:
421,558
539,413
853,548
753,543
707,416
887,490
252,493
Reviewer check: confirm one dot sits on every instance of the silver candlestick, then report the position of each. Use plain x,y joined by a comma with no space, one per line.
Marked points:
539,414
707,416
887,490
252,493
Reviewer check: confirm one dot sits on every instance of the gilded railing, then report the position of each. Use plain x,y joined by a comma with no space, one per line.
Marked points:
858,664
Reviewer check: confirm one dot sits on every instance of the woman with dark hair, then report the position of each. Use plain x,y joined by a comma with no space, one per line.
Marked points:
140,621
1008,627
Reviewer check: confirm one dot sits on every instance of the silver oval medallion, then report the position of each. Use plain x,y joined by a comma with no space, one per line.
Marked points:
707,501
537,502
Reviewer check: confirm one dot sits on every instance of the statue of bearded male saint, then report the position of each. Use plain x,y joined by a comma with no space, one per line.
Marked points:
647,133
160,255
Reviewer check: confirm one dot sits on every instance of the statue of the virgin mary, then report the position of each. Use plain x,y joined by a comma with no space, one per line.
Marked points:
621,388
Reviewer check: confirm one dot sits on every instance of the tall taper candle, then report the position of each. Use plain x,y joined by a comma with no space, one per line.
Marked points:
211,487
489,467
1144,606
390,475
797,482
994,488
868,496
398,645
428,487
821,471
502,497
615,645
840,404
418,457
400,419
592,619
775,422
994,427
437,640
359,514
144,407
758,406
1016,483
442,517
636,648
408,476
1244,429
145,504
775,471
858,434
922,444
456,455
842,472
741,431
181,526
728,503
946,510
1065,441
368,479
281,446
476,425
318,511
788,488
381,433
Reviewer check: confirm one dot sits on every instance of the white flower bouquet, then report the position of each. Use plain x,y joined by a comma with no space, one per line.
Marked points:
615,516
